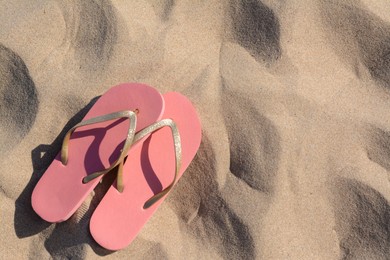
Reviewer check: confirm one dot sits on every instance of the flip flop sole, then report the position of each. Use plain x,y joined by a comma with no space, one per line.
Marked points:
149,168
60,191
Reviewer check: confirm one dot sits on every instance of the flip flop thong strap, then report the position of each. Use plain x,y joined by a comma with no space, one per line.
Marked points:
129,140
178,153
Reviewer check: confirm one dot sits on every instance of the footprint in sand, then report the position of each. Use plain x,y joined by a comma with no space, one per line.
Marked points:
18,99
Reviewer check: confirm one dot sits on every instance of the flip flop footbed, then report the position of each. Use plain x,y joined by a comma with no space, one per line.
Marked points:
60,191
149,168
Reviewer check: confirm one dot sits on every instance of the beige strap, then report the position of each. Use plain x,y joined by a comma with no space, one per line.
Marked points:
178,156
129,140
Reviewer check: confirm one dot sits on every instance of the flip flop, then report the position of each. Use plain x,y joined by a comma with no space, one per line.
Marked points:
149,173
93,147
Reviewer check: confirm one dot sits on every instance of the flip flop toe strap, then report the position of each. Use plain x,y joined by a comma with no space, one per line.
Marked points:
129,139
178,154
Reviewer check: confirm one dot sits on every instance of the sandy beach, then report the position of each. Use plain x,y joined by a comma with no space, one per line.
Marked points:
293,97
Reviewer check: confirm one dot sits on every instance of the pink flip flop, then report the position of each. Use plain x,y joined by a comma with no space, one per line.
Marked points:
149,172
93,148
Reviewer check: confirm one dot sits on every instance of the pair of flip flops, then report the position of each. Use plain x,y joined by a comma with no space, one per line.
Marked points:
150,138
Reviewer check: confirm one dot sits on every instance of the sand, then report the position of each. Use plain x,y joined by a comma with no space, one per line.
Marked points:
294,102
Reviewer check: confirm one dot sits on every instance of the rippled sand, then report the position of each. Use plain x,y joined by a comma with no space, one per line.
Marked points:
294,101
